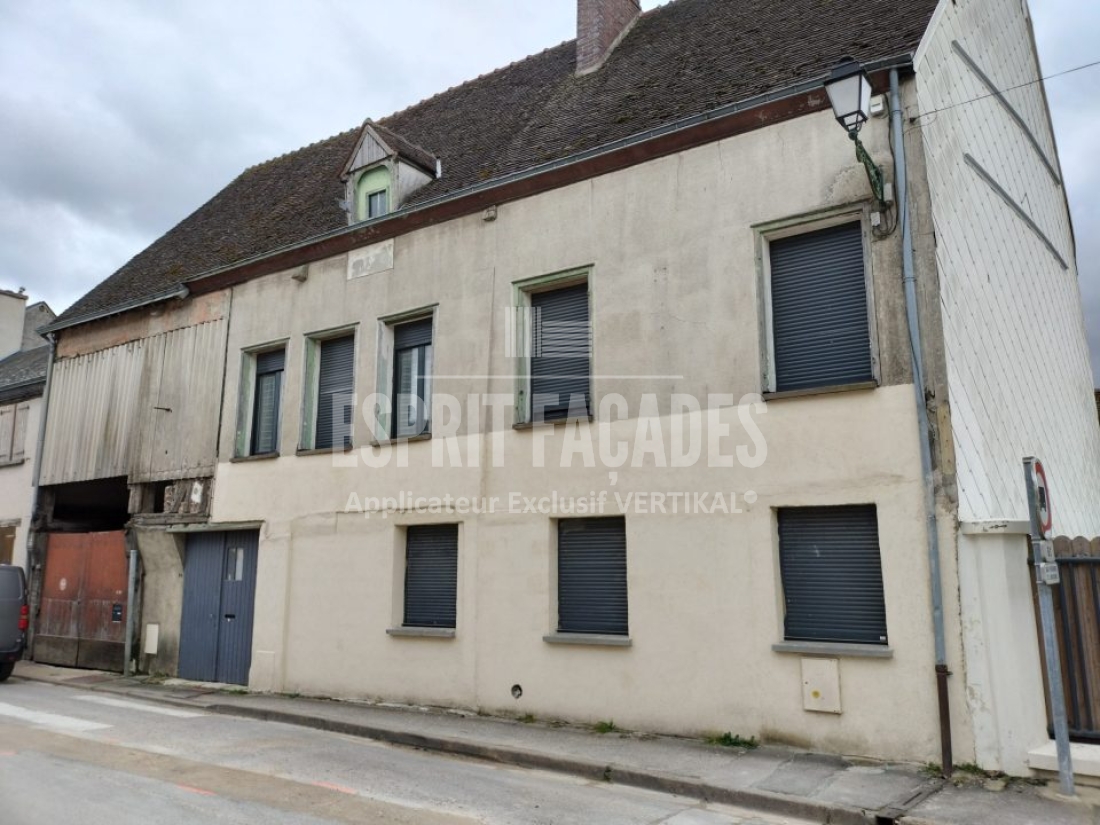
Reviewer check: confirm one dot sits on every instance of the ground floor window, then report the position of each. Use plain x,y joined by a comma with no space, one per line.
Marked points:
592,593
431,575
832,574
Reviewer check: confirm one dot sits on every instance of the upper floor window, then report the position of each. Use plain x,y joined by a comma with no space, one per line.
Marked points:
556,371
267,401
412,378
373,193
13,433
821,323
328,403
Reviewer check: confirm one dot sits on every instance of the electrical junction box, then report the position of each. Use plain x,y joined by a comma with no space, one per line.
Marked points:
1048,572
821,685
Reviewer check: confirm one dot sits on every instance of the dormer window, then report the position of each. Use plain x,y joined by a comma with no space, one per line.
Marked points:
382,170
373,193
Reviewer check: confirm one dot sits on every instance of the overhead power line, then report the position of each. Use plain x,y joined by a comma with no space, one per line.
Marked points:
1002,91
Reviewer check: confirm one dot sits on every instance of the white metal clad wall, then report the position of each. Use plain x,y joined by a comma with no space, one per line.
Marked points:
104,419
1018,368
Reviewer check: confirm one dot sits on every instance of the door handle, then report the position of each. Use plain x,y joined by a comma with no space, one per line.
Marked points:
230,616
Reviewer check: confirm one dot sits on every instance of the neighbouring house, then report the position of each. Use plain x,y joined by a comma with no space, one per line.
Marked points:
24,357
465,406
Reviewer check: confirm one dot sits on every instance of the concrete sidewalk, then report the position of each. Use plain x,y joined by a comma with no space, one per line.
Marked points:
817,787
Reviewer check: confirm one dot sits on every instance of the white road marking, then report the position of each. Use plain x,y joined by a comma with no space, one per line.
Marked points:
128,705
50,720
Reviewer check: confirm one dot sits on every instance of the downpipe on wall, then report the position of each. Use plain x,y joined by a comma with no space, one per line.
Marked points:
36,476
913,318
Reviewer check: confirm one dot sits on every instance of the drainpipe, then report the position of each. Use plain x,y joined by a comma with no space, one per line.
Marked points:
902,185
131,598
36,476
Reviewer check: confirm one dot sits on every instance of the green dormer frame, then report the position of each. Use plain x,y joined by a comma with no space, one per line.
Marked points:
374,182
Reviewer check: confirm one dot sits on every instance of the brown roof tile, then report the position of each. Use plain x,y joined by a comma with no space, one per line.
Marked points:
681,59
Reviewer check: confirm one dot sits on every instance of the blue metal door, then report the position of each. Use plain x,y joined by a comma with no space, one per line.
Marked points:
219,594
238,588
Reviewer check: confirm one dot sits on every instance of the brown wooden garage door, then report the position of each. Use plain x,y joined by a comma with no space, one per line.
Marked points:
82,619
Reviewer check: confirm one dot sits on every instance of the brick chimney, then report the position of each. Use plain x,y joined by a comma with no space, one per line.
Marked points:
600,24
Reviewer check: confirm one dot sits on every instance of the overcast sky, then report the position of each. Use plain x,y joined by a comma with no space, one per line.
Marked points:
120,118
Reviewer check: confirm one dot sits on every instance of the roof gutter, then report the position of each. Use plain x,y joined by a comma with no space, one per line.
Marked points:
178,291
482,194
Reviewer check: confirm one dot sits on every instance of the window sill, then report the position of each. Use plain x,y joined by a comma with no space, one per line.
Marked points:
240,459
17,463
403,439
422,632
595,639
530,425
859,385
855,651
323,450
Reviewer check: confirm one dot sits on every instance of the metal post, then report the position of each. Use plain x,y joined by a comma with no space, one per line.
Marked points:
1046,575
131,596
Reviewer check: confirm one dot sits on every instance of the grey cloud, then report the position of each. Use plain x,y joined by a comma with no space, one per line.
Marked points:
121,117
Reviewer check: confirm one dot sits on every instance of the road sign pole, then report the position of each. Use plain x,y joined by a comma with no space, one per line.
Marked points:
1046,576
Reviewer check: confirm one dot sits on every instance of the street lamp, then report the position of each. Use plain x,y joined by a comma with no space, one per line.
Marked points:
849,91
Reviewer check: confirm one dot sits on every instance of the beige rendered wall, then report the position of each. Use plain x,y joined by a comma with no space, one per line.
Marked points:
15,485
674,294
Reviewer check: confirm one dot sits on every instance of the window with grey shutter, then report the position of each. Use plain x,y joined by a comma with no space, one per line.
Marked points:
820,328
431,575
412,378
265,406
560,354
335,388
832,574
592,595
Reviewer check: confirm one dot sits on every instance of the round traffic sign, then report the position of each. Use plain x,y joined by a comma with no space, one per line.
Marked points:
1042,501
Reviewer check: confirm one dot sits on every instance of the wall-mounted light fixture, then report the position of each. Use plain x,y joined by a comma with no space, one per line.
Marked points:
849,91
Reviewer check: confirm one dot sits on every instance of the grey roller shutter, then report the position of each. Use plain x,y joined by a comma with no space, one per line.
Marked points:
820,327
560,348
431,575
414,334
592,592
832,574
269,382
335,385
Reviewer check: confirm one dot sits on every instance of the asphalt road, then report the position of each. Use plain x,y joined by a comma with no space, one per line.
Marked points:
69,755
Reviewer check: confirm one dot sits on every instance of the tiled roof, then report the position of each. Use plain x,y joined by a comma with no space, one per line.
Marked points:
683,58
21,369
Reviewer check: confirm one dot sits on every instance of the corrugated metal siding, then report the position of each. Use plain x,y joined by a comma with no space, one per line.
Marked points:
592,589
820,324
431,575
560,350
832,574
103,417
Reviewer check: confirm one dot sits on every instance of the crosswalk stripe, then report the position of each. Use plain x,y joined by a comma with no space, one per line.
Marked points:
50,720
128,705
